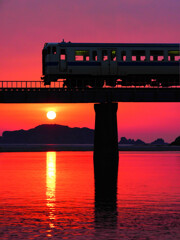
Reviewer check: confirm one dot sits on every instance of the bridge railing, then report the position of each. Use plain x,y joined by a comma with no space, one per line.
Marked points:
26,84
60,85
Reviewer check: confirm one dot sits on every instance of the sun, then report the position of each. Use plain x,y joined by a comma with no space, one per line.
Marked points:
51,115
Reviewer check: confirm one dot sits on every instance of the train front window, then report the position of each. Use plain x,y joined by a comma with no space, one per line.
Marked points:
48,50
82,55
44,52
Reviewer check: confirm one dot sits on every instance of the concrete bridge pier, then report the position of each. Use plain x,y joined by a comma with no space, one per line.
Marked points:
106,152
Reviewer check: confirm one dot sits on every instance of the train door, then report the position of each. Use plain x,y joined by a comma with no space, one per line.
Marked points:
105,63
113,62
63,60
109,62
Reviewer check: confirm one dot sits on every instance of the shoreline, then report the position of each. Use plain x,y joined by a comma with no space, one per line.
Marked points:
79,147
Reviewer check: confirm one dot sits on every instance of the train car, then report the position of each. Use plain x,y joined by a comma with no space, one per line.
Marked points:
111,64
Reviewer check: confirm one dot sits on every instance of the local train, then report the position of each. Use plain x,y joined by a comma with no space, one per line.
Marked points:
111,64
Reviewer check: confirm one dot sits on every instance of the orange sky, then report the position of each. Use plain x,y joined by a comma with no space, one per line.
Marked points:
27,25
135,120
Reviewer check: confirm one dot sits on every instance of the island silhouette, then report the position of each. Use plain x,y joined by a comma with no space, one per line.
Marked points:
60,134
176,142
158,141
49,134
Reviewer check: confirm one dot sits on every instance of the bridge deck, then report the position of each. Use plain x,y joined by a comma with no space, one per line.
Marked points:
36,92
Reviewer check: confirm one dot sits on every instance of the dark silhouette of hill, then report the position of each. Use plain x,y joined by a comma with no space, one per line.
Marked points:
49,134
176,142
59,134
159,141
131,141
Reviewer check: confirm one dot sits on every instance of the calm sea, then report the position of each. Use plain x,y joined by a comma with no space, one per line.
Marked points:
50,195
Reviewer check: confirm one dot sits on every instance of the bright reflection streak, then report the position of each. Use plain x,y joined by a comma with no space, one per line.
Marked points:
51,184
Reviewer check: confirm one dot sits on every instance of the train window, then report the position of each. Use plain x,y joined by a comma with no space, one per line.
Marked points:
133,58
173,55
113,55
63,54
138,55
123,56
82,55
104,55
151,58
156,55
160,58
53,50
94,55
143,58
177,58
79,58
63,57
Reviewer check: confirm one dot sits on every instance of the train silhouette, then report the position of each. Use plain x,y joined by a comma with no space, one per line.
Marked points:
111,64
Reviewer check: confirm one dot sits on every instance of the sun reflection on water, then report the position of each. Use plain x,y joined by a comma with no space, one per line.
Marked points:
51,186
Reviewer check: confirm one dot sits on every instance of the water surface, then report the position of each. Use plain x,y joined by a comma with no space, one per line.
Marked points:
51,196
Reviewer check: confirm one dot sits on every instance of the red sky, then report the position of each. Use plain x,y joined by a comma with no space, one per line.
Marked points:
27,25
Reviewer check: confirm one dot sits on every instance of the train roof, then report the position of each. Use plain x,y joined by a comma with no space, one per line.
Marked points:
70,44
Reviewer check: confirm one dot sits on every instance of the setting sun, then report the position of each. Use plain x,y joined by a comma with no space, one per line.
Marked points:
51,115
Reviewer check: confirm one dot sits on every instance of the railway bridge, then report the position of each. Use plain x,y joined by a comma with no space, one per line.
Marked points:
37,92
106,103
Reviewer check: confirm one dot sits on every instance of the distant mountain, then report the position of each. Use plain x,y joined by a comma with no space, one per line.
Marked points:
131,141
59,134
49,134
159,141
139,142
176,142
